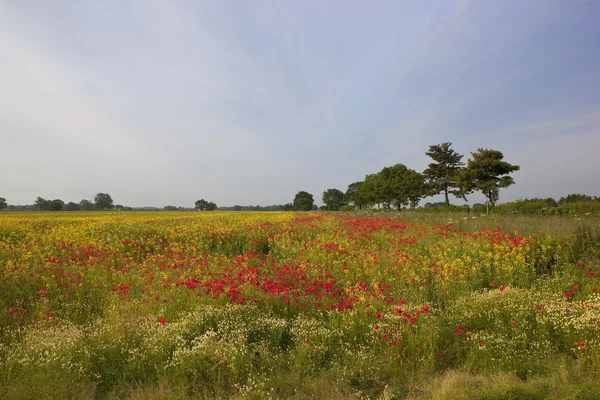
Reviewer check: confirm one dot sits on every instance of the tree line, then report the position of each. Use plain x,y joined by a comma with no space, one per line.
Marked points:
399,187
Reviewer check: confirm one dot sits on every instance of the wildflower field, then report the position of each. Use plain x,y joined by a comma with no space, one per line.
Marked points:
297,305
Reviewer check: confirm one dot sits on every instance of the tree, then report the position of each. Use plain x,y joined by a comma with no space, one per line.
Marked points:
86,205
576,197
42,204
304,201
441,175
56,205
353,195
103,201
3,204
487,173
201,204
368,192
288,207
413,185
211,206
70,206
333,199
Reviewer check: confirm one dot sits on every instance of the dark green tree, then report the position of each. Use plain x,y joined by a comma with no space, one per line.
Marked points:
353,196
71,206
304,201
576,197
103,201
488,173
56,205
201,204
288,207
3,204
86,205
441,175
413,185
333,199
211,206
42,204
369,191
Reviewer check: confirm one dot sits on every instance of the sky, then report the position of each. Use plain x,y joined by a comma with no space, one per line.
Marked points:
248,102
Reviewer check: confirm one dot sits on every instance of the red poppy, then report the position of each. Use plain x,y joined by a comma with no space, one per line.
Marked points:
591,273
581,345
161,320
425,308
579,264
539,308
575,288
567,294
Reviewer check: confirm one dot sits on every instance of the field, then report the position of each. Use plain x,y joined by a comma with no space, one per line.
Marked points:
176,305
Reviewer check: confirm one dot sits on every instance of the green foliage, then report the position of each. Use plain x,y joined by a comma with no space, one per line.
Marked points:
353,195
441,175
346,208
487,173
103,201
333,199
3,204
86,205
577,198
201,204
304,201
210,206
527,206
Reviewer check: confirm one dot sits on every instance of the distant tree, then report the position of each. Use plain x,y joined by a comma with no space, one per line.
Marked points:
352,195
71,206
56,205
487,173
369,191
304,201
103,201
42,204
237,207
333,199
441,175
119,207
3,204
86,205
288,207
576,197
211,206
413,185
170,208
201,204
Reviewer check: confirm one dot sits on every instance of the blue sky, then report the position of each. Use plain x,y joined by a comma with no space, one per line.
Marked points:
247,102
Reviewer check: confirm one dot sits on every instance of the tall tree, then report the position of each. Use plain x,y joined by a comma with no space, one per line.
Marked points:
441,175
56,205
352,195
3,204
42,204
413,185
103,201
369,191
86,205
333,199
210,206
487,173
304,201
201,204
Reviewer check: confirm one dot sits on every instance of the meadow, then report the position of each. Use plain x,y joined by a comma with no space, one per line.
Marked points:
177,305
